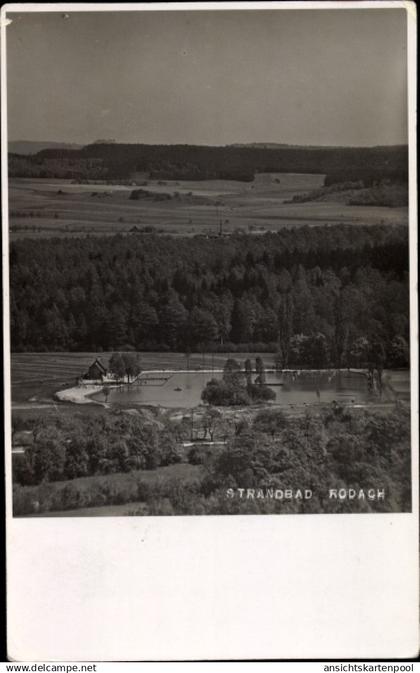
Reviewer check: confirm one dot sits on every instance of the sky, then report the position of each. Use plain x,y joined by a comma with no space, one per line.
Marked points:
305,77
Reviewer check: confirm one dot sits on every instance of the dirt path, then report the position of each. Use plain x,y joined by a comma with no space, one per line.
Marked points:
32,405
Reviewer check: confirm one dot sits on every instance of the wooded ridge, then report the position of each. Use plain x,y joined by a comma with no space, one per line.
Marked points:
195,162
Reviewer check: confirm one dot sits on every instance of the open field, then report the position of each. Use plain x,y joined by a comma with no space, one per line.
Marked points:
47,207
40,375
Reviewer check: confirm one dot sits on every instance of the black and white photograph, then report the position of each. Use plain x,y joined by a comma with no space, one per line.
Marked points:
210,332
209,268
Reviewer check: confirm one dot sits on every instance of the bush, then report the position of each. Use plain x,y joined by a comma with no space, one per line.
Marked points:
260,393
219,393
270,421
198,455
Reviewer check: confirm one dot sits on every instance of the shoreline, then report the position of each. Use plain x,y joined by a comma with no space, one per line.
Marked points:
80,394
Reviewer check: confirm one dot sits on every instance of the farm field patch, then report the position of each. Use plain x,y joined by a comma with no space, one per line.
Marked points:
40,208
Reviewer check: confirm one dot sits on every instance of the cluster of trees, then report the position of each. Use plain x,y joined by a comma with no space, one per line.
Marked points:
81,446
67,167
312,292
384,192
155,494
338,448
237,386
397,173
390,195
193,162
32,213
189,197
124,365
313,352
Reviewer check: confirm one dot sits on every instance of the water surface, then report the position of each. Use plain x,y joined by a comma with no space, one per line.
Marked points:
183,389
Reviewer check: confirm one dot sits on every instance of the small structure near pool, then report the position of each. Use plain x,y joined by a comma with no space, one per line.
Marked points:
96,372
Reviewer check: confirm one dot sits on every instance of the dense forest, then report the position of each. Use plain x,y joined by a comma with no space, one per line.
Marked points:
192,162
87,461
320,296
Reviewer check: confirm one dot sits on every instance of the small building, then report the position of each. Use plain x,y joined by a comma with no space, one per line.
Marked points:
96,372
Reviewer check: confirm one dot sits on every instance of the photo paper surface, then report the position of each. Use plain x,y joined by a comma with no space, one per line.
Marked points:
210,330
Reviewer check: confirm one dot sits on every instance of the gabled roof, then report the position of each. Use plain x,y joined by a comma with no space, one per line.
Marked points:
99,364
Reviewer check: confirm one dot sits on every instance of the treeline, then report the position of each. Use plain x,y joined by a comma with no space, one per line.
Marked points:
338,448
390,195
193,162
66,168
369,176
333,285
356,193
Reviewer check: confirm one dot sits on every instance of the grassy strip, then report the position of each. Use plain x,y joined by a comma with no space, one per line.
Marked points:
97,491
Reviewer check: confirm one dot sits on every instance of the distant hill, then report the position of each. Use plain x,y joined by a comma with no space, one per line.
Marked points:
278,146
34,146
111,161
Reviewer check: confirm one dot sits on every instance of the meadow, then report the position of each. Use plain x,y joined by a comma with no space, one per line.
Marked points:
86,496
37,376
56,207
